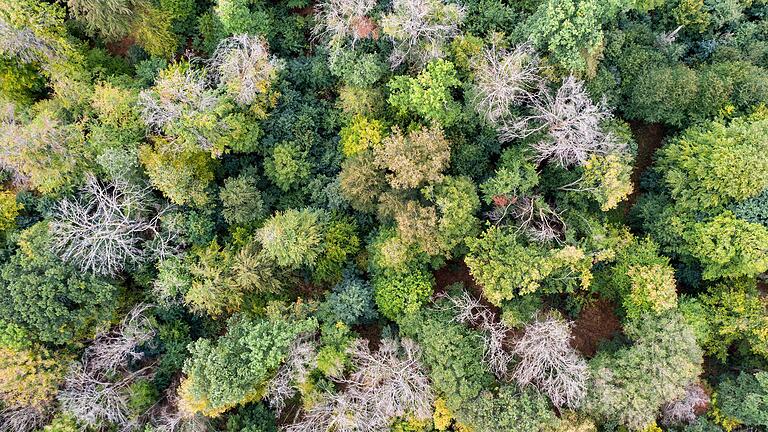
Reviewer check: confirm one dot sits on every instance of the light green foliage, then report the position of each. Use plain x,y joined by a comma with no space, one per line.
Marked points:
411,160
745,399
142,394
515,175
728,247
402,293
9,210
359,135
571,31
355,68
640,278
293,238
287,166
429,94
28,378
62,423
241,200
19,82
48,298
607,178
736,315
350,302
712,166
630,385
457,203
182,177
505,266
243,17
340,243
234,369
221,278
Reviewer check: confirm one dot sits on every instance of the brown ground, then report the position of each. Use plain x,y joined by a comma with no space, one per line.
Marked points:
120,48
649,138
457,271
596,323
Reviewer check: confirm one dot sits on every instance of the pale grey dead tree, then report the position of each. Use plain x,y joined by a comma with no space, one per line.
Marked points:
470,311
683,410
572,122
337,20
180,93
293,373
420,29
115,349
110,226
24,45
168,417
243,64
95,389
385,384
537,219
23,418
548,361
505,79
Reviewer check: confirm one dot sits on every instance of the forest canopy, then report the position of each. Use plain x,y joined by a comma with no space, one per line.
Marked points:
383,216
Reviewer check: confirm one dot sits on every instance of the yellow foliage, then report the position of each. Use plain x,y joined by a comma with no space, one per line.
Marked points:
442,415
9,209
28,378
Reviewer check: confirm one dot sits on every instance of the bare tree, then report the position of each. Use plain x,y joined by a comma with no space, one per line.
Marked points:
167,416
683,411
572,123
294,372
25,45
95,389
549,362
243,64
504,79
110,226
338,19
388,383
419,29
180,93
470,311
22,418
113,350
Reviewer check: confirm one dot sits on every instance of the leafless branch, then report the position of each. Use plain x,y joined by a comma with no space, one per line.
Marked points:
683,411
339,19
22,418
548,361
244,65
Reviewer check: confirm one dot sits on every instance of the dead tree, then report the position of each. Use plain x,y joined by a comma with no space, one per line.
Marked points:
243,64
338,20
548,361
108,227
683,411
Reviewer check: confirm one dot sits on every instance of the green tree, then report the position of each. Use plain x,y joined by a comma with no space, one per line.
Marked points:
234,369
293,238
728,247
630,385
429,95
715,165
735,317
50,299
745,399
241,200
402,293
287,166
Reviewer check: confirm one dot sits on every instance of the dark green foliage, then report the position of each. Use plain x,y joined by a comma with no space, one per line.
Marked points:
48,298
253,417
350,301
745,399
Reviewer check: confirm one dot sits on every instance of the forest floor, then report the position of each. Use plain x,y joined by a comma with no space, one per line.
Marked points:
649,138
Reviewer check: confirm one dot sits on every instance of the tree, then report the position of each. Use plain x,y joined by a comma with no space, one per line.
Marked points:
241,200
504,80
401,293
109,227
607,178
414,159
683,410
428,95
245,68
745,399
235,368
338,20
293,238
728,247
50,299
351,301
717,164
630,385
29,380
420,29
506,267
113,20
361,182
287,166
573,124
549,362
359,135
736,316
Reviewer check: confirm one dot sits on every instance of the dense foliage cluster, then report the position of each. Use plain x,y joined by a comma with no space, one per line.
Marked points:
384,216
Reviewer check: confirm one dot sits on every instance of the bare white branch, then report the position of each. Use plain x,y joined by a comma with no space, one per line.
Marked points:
108,227
22,418
419,29
294,372
243,64
113,350
549,362
683,411
338,19
504,79
572,123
